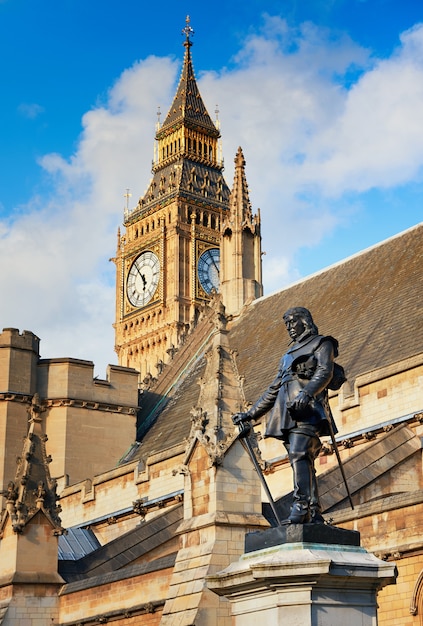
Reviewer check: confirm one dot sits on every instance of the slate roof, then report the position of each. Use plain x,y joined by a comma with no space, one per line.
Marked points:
124,550
371,302
77,543
173,424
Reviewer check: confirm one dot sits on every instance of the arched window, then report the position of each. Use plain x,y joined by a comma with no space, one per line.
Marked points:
416,604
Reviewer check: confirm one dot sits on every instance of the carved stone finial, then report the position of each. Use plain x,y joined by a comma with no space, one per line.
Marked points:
218,308
33,489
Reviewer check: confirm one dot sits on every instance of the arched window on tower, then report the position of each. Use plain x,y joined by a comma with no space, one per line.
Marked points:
219,192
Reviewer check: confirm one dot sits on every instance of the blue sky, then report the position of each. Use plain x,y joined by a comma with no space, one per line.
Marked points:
325,98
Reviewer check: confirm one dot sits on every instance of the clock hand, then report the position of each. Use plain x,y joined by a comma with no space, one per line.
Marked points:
216,266
144,280
139,271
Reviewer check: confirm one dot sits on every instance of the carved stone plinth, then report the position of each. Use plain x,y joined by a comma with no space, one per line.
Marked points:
304,584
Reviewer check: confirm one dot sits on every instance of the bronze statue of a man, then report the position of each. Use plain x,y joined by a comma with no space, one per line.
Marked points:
299,407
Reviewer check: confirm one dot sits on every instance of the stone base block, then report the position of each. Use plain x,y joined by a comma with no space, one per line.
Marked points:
301,533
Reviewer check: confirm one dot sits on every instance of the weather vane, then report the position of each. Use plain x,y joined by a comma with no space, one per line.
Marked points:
188,31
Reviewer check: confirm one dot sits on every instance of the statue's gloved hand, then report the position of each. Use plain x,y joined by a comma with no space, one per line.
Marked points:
301,401
240,418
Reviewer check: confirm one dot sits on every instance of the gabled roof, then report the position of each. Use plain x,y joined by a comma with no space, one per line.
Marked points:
371,303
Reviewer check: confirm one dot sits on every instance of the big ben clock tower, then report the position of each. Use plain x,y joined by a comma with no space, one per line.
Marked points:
168,259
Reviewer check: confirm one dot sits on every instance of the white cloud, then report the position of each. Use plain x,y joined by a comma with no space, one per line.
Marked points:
316,117
377,140
59,282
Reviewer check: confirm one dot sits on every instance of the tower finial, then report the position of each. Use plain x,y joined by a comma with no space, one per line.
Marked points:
188,31
217,122
127,195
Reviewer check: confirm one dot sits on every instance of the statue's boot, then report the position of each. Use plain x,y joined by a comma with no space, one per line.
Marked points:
299,513
302,451
315,514
302,485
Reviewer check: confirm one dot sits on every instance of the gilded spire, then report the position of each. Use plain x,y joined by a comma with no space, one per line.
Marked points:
186,155
188,106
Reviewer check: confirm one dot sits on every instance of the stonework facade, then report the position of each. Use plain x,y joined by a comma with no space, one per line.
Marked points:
144,470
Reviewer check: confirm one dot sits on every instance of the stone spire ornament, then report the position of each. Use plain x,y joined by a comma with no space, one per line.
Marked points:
33,489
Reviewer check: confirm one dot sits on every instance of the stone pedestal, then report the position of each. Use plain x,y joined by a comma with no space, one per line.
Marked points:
303,583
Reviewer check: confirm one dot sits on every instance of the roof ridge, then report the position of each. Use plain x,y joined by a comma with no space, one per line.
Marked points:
339,263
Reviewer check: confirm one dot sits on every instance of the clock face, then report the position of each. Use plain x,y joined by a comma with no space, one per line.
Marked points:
143,279
208,269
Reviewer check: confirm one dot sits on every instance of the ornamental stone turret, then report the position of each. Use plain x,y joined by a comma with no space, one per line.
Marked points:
241,271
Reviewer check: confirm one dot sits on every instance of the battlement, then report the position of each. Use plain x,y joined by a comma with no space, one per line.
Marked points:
13,338
74,378
19,354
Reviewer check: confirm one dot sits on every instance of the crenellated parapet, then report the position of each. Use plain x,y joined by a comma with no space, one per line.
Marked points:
89,420
19,354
